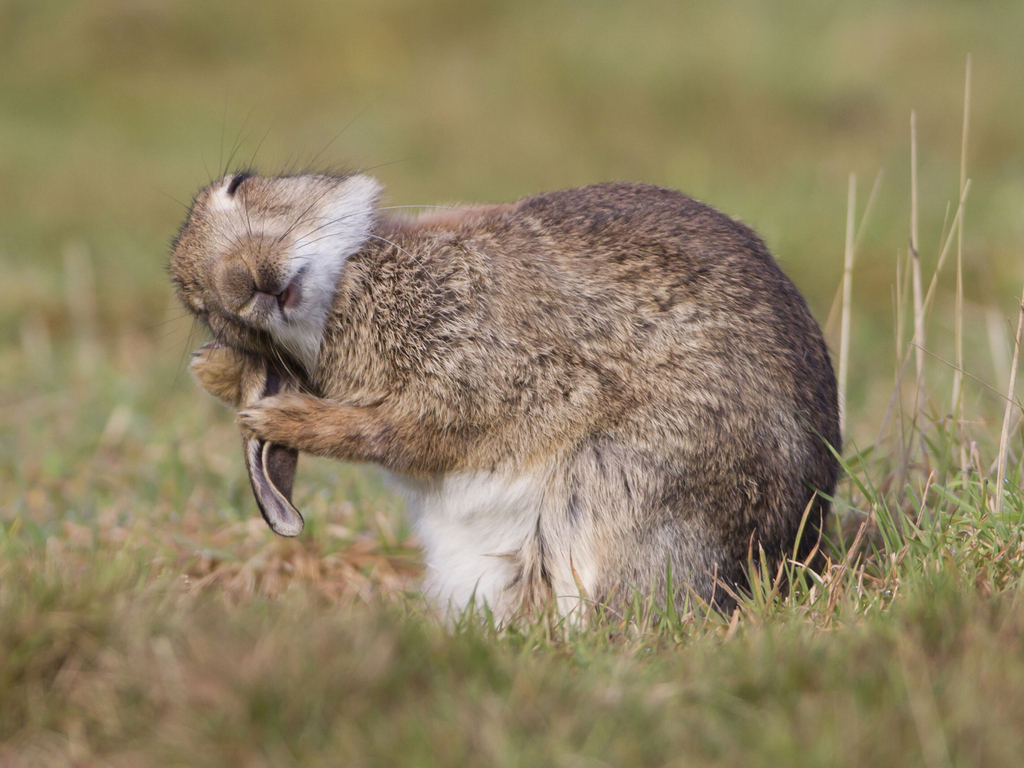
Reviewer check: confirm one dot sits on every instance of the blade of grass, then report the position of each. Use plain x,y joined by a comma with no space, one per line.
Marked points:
958,312
844,334
837,299
915,256
1004,436
955,226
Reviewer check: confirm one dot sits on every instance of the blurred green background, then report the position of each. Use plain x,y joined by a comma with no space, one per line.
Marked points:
113,112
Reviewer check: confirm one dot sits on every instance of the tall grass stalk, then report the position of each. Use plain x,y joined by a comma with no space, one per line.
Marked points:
844,294
946,248
1004,435
958,371
844,337
915,257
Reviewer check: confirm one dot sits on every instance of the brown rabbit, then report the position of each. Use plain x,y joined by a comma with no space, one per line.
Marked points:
580,392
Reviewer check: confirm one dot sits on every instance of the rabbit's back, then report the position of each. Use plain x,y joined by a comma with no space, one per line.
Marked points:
592,308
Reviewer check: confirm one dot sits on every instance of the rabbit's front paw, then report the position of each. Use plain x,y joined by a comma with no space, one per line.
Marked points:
218,370
282,419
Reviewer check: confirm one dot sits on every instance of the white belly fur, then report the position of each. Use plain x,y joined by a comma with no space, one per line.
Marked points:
471,523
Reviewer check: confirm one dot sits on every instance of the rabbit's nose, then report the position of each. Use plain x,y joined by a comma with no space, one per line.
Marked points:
264,303
236,285
266,299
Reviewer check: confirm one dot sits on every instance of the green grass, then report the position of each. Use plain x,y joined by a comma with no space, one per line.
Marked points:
148,617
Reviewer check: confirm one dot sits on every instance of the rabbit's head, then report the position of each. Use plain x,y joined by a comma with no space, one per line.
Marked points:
258,259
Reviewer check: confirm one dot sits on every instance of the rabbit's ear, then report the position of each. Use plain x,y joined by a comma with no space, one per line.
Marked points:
271,470
271,467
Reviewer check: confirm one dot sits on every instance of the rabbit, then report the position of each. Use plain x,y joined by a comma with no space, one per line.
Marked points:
582,394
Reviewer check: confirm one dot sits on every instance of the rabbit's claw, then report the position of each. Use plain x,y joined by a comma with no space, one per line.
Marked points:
280,419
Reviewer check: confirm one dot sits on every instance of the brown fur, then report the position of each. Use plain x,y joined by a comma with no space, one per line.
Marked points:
643,349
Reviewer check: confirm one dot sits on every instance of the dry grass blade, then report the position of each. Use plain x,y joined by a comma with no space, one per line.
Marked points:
957,220
868,207
1004,436
915,257
844,334
843,297
837,300
958,371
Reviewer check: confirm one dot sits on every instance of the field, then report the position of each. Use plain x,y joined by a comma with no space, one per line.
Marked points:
149,617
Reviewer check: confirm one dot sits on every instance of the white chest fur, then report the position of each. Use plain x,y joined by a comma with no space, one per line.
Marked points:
472,525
